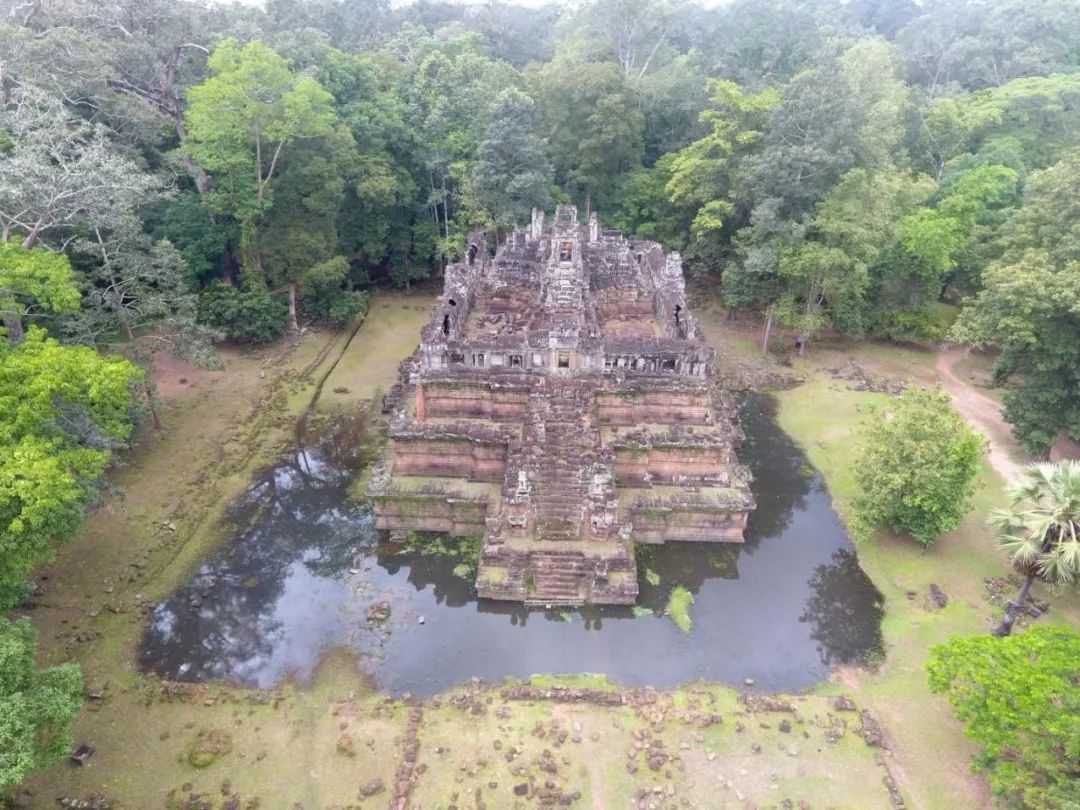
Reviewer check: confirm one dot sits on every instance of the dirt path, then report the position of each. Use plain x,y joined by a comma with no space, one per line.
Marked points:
983,414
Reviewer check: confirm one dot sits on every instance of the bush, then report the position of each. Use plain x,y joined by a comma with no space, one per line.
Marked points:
917,466
37,706
248,313
325,294
1019,698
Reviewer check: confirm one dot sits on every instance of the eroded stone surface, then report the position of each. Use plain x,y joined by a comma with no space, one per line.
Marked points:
562,404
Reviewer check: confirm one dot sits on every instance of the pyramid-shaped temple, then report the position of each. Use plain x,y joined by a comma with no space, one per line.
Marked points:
563,405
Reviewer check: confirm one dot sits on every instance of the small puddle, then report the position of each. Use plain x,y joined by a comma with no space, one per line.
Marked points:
783,609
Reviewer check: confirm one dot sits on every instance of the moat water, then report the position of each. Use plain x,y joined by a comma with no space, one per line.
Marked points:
305,569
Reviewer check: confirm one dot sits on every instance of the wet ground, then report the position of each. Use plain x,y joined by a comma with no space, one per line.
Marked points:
307,568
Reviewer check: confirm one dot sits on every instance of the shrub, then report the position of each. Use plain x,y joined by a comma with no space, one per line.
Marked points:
1018,697
37,706
917,466
325,293
248,313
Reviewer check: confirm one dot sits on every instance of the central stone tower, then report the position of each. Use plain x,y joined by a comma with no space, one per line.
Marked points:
563,405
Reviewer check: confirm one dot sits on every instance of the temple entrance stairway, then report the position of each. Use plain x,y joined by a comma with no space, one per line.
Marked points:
563,562
565,417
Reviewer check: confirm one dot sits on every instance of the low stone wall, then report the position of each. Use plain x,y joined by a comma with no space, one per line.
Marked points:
667,464
475,401
660,407
450,458
429,513
688,525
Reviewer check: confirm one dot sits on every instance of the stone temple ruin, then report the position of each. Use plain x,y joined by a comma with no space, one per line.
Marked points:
563,405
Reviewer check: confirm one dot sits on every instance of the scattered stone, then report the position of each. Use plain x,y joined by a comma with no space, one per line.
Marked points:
378,612
785,726
843,703
938,598
346,746
765,703
871,731
209,747
81,754
756,748
521,789
371,788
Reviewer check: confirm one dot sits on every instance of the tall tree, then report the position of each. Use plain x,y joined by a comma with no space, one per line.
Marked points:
60,172
62,410
242,121
33,282
512,171
1018,699
917,466
37,706
1040,530
1030,307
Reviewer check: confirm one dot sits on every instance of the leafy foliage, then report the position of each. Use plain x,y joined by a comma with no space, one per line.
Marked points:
248,314
1020,701
916,467
1030,307
1040,531
62,410
37,706
326,295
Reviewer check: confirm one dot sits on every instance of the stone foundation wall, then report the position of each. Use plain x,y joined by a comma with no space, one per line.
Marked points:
430,514
457,401
652,407
686,524
666,464
450,459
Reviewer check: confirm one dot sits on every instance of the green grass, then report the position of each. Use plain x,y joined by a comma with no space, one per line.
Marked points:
678,608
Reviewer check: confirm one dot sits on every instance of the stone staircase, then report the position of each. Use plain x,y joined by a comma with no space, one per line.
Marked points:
559,497
558,578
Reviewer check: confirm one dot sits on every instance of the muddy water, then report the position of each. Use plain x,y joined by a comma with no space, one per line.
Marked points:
306,569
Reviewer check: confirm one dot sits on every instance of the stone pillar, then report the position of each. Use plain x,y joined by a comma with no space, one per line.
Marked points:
537,227
594,227
421,404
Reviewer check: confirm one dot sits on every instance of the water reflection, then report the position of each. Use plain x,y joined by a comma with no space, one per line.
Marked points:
306,566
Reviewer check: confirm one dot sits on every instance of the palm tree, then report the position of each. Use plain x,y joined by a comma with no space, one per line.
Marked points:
1040,531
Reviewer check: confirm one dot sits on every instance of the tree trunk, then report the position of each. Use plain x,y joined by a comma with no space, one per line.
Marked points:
1014,608
765,337
292,306
14,326
151,403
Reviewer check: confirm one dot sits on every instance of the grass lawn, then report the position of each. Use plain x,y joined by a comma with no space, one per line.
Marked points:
931,752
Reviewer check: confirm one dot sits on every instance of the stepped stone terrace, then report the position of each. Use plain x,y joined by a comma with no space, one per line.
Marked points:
563,405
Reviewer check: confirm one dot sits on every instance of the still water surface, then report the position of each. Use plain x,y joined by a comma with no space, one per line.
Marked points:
300,578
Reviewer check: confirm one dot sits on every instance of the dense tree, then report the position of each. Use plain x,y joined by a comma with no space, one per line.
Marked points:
62,410
31,282
512,171
241,122
916,467
1030,307
1019,701
1040,531
60,172
593,127
37,706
